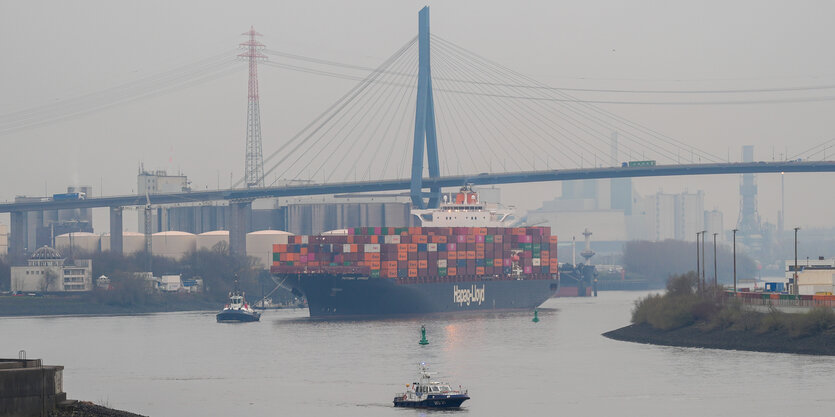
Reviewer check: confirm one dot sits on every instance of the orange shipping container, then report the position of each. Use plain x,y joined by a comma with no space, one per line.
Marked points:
412,273
420,239
470,254
479,254
422,264
452,271
552,239
413,264
479,246
402,256
470,238
482,231
479,270
413,247
497,239
452,255
303,250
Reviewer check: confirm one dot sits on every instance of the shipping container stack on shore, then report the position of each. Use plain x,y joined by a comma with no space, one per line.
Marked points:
424,254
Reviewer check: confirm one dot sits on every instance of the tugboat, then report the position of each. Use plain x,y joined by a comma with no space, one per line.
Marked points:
430,394
238,310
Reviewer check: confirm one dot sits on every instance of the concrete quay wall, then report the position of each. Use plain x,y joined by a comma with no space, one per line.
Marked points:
27,388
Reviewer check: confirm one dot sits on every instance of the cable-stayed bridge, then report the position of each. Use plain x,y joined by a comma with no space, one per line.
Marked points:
457,116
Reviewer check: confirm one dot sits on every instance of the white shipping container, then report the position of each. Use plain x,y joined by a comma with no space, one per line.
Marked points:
536,262
441,263
432,247
346,248
372,247
392,239
304,240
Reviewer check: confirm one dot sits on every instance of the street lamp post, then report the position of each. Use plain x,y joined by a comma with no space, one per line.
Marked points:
735,230
796,285
715,273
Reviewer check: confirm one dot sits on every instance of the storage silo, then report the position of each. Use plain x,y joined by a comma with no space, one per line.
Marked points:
173,244
259,245
208,240
78,242
132,242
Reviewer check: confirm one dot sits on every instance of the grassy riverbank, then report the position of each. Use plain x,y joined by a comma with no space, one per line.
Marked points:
88,305
683,317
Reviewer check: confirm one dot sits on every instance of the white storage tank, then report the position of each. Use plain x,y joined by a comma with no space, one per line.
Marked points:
78,242
132,242
208,240
259,245
173,244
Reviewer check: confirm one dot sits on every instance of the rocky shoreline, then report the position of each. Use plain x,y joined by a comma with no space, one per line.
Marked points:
693,336
88,409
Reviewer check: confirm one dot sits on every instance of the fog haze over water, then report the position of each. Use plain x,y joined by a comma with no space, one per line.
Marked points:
178,364
56,51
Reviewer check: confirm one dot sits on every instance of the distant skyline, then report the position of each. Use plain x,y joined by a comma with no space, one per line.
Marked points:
59,50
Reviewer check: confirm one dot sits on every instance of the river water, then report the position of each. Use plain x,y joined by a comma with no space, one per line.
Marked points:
186,364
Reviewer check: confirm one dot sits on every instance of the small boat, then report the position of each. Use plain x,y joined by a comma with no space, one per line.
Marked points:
430,394
238,310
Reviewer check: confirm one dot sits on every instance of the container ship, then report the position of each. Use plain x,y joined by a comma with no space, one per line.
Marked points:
435,268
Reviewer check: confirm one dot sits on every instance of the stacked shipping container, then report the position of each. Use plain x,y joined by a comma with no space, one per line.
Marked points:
412,253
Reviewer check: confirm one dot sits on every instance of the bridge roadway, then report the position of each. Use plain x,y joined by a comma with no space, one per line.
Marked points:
447,181
240,199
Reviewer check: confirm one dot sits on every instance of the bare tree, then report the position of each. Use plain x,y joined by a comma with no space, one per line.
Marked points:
50,278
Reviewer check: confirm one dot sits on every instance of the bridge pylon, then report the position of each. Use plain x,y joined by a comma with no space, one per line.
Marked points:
425,131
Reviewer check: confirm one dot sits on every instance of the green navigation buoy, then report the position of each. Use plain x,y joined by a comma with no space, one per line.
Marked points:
535,316
423,340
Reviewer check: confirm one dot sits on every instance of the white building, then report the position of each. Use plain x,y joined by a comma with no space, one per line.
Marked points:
159,182
48,271
667,216
714,223
814,276
4,239
170,283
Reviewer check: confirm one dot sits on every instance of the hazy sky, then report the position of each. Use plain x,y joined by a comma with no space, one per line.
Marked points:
53,51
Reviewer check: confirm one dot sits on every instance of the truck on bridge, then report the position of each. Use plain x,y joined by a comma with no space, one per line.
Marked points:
631,164
69,196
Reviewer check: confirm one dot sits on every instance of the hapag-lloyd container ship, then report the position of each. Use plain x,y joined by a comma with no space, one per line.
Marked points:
437,268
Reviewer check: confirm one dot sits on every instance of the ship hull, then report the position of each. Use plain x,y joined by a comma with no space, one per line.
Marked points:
439,401
237,316
332,295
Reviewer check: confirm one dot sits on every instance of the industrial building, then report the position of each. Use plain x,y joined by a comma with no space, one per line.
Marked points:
41,226
49,271
814,276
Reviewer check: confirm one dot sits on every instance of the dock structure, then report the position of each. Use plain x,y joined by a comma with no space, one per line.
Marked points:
29,388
